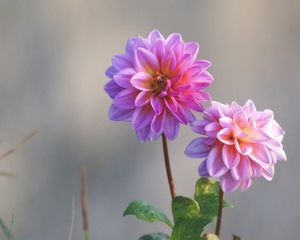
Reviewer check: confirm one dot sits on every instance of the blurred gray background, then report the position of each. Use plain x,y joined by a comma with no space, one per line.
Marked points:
53,55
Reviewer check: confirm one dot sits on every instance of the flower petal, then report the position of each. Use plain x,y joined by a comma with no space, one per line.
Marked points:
228,183
126,99
123,77
226,136
142,81
261,155
197,148
231,157
117,114
215,165
171,126
243,147
158,122
157,104
202,169
112,88
147,61
243,171
121,61
142,116
142,98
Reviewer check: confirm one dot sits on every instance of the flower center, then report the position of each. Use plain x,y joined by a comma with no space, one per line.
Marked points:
159,83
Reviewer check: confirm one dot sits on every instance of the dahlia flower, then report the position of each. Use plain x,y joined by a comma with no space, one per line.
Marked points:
156,84
239,144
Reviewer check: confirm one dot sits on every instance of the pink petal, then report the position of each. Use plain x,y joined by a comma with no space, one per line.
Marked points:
197,148
215,165
257,135
173,40
231,157
123,77
154,35
159,49
225,110
241,119
226,136
261,155
171,126
228,183
126,99
158,122
280,155
243,171
157,104
249,107
268,173
142,98
181,115
246,184
168,64
142,116
235,107
171,103
142,81
212,127
147,61
226,122
192,48
117,114
243,147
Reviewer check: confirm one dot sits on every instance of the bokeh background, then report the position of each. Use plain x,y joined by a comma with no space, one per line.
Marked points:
53,55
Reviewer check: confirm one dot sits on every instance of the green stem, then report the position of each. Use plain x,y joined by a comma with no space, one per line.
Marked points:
84,211
168,167
220,210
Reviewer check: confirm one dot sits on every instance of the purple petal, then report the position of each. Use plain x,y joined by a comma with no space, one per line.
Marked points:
158,122
243,147
197,148
171,103
126,99
215,165
123,77
168,64
268,173
142,116
228,183
110,72
246,184
121,61
202,170
171,126
157,104
112,88
192,48
117,114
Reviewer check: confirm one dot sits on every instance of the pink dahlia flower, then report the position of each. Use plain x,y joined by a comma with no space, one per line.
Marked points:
239,144
156,83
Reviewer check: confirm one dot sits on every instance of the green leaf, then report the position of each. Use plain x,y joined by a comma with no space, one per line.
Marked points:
147,212
207,196
187,230
184,208
6,230
155,236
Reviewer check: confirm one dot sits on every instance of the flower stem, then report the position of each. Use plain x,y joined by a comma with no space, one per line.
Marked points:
84,210
220,210
168,167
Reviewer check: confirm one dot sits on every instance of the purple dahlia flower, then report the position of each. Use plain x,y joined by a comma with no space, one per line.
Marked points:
239,144
156,84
